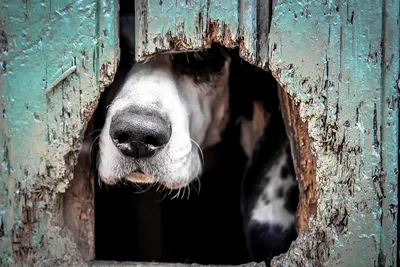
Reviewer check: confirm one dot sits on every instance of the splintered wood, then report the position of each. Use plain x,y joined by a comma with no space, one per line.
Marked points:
304,160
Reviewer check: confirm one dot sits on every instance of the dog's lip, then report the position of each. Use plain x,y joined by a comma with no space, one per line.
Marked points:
138,176
141,177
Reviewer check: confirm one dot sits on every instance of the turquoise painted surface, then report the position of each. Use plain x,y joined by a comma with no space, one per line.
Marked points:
191,25
340,60
40,134
158,23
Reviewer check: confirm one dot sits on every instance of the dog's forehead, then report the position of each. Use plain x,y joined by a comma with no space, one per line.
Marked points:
201,66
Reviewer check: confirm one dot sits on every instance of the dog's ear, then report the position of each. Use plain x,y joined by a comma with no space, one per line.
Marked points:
251,130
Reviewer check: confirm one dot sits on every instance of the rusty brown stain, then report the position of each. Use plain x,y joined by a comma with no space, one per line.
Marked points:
247,55
216,32
304,160
79,203
223,37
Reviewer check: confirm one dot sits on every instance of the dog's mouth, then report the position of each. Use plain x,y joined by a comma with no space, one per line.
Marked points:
139,176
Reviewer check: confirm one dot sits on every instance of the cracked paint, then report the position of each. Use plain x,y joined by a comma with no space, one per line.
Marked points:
181,26
41,134
341,82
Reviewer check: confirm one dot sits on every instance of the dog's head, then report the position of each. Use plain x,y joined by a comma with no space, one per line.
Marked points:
166,110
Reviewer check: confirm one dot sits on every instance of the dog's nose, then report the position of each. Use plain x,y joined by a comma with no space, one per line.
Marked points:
139,135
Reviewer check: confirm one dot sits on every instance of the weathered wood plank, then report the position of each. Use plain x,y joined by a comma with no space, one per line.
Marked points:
176,25
190,25
340,61
41,134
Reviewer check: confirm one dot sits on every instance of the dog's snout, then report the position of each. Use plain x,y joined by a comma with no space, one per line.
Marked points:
139,135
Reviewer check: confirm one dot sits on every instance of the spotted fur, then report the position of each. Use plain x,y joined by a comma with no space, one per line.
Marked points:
270,194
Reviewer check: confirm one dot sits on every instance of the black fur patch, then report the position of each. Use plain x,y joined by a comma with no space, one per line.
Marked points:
292,198
267,241
284,172
202,65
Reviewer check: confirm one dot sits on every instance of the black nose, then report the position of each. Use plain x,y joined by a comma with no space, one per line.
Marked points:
139,135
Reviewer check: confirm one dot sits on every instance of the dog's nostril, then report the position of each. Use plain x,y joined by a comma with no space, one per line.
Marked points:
122,137
151,140
137,135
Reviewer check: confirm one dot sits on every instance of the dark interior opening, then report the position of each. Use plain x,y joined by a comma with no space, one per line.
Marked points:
145,223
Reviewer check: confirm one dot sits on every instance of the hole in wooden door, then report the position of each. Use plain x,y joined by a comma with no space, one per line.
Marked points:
140,223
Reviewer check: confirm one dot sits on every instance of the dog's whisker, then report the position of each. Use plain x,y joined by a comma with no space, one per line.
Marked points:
184,192
179,192
161,192
164,192
189,185
92,132
149,186
161,200
138,187
175,195
91,147
99,182
200,150
170,191
158,188
199,185
97,159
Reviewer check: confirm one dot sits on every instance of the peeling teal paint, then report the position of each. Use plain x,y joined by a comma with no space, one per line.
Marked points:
191,25
41,134
340,60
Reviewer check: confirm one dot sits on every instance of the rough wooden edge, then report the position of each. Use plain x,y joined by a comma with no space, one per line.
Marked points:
78,202
158,264
253,22
304,160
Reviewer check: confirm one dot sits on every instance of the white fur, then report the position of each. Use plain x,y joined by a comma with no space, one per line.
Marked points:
274,212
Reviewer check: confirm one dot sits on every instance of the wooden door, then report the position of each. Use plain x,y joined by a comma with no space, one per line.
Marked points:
336,61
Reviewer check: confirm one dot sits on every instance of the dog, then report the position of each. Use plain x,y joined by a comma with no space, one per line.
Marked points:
168,111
